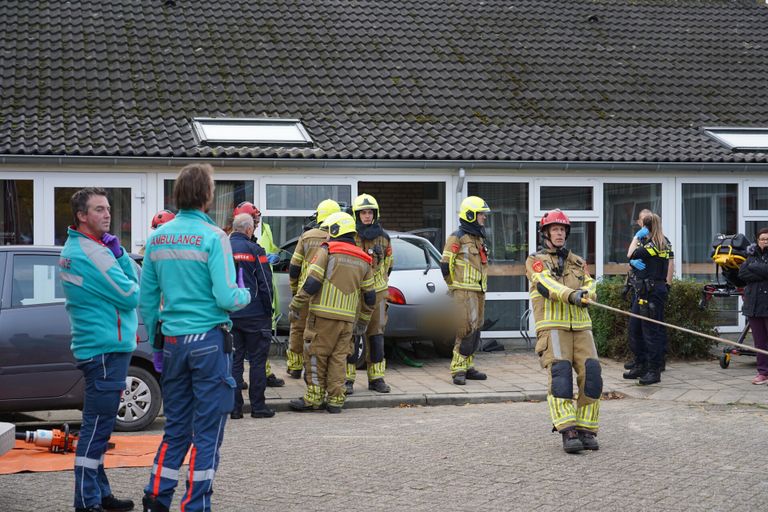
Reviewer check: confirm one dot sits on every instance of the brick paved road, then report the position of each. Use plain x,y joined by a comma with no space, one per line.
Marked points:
655,456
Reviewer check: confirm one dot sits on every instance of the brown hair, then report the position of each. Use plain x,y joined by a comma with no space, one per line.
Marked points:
763,231
79,200
653,223
194,187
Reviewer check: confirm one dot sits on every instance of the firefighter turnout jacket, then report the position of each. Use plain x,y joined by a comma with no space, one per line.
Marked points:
554,276
465,262
380,251
339,271
309,242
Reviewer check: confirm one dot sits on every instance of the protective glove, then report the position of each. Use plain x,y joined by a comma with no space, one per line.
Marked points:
273,258
112,243
576,298
240,281
157,361
638,264
293,315
642,233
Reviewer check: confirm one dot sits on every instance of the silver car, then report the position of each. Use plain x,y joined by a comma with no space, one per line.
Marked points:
418,301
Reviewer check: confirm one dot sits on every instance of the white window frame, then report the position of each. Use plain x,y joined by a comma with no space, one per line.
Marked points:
38,226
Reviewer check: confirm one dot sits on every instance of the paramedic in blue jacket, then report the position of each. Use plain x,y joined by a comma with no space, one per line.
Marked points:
252,325
189,264
102,291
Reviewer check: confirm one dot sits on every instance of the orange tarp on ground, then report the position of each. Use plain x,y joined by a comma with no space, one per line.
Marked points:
129,451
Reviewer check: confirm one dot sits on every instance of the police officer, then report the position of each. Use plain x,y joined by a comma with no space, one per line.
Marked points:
252,325
374,241
309,242
649,255
189,262
101,293
338,277
559,283
273,381
465,269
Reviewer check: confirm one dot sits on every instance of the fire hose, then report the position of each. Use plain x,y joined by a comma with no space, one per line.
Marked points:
677,327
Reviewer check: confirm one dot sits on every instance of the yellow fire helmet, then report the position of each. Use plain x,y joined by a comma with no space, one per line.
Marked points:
326,208
365,202
471,206
338,224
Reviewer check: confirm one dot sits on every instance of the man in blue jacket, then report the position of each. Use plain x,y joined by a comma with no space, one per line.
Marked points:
252,325
189,264
101,289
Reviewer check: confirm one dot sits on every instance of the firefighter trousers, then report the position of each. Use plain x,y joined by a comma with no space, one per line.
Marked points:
295,353
375,362
563,352
469,311
326,347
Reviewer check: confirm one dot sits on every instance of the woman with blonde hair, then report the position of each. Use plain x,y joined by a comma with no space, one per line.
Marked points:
649,255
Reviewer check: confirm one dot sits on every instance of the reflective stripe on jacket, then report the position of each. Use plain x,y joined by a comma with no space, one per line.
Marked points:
466,259
309,242
380,251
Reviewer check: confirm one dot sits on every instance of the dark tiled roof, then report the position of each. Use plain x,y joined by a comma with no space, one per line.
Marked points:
592,80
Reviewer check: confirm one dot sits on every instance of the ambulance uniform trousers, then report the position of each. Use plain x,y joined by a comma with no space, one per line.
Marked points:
326,347
104,384
295,352
198,394
252,340
562,352
648,341
469,311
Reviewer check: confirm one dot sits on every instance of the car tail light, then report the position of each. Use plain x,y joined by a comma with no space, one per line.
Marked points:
395,296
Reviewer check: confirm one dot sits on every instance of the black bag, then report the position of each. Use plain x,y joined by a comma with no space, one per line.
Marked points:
730,251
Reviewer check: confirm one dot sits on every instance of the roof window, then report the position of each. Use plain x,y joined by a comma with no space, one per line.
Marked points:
245,131
740,139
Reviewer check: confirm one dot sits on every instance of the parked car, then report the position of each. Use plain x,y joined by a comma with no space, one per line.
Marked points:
418,296
37,369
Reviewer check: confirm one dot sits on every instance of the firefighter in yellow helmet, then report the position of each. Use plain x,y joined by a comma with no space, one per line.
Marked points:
465,269
340,292
309,242
559,284
374,241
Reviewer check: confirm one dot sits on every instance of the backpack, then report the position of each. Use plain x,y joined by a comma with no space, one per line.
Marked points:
729,251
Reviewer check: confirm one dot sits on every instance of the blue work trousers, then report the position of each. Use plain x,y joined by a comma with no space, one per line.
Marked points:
197,397
251,342
104,384
647,340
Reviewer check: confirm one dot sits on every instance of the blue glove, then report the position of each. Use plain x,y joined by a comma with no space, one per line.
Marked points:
638,264
157,361
240,282
642,233
113,244
273,258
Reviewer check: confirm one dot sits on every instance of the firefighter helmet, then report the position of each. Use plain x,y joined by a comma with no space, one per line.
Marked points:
162,217
471,206
326,208
554,217
246,207
339,224
365,202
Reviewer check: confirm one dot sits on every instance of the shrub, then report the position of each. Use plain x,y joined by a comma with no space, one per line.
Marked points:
611,330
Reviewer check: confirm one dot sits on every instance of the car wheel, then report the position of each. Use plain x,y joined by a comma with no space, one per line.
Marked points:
140,402
443,347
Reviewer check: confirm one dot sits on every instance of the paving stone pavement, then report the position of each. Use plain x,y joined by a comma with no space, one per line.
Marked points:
655,455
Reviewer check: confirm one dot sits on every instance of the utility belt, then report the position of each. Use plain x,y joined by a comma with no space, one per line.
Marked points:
229,339
643,289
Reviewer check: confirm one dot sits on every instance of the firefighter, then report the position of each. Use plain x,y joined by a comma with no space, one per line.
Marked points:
339,288
308,243
465,269
273,381
374,241
559,281
158,220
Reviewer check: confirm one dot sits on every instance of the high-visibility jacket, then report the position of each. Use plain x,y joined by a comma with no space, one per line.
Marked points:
380,251
465,262
339,275
189,261
309,242
101,294
553,278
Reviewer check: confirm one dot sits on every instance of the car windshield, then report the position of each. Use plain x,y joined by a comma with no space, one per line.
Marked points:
411,254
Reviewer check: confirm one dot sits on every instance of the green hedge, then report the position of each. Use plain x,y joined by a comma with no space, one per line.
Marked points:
611,329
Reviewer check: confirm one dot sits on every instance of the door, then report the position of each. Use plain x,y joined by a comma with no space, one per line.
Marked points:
125,193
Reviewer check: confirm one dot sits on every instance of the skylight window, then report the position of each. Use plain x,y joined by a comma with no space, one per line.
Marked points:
243,131
740,139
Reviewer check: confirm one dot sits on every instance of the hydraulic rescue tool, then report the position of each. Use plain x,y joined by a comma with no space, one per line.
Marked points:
57,441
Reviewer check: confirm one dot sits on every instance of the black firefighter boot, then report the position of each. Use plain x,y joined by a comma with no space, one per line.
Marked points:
588,440
652,376
460,378
379,386
474,374
571,441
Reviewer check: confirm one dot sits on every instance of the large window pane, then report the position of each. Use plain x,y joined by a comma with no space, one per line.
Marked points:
622,203
758,198
285,229
566,198
708,209
505,315
305,197
753,227
507,230
120,208
16,212
227,195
